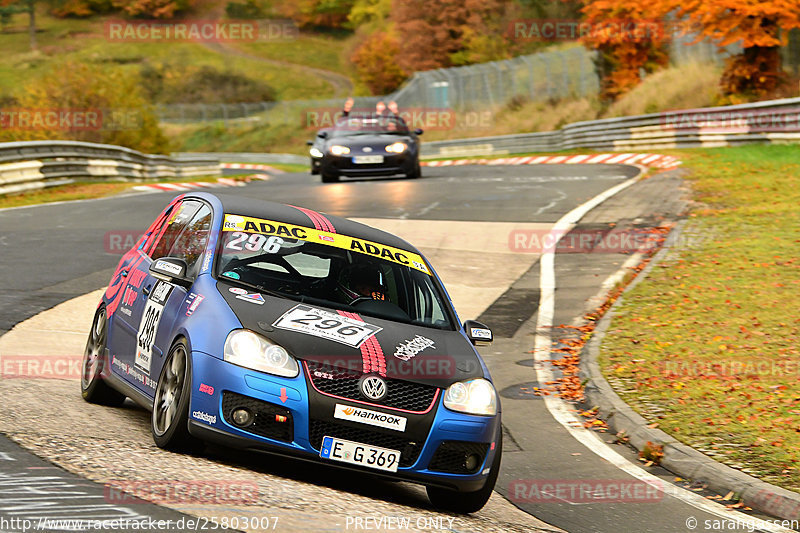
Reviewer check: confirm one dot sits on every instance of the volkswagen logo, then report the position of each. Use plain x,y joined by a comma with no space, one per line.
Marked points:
366,149
373,387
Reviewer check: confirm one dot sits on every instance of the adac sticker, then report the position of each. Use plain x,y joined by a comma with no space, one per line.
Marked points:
337,240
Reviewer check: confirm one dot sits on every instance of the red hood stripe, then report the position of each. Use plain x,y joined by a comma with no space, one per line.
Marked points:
320,222
372,359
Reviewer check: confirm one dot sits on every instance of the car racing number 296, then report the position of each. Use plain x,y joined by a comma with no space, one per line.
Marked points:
149,325
326,325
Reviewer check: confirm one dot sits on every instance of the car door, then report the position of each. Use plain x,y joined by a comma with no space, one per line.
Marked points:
132,314
166,301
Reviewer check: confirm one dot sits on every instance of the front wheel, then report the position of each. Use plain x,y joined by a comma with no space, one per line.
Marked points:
169,422
416,173
468,502
328,178
93,388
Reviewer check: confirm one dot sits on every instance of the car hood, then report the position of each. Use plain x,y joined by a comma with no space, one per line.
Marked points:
396,350
377,141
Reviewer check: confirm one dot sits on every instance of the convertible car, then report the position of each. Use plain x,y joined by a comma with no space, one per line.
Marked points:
366,145
275,328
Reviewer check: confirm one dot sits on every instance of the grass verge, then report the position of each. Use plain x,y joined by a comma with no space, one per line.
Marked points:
707,347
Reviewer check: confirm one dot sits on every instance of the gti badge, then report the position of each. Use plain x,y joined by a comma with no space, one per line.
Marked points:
373,387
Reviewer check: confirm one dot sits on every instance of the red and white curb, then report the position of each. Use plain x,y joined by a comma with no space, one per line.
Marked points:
665,162
252,166
221,182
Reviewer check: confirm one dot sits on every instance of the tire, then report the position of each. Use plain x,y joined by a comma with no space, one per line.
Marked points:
169,421
467,502
416,173
93,388
328,178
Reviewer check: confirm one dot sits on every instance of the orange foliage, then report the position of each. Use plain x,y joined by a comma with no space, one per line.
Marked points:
376,62
631,40
158,9
760,26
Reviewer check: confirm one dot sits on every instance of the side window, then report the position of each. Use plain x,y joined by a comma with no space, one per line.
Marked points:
191,243
177,222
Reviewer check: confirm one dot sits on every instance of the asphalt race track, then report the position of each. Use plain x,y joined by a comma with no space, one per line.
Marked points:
462,218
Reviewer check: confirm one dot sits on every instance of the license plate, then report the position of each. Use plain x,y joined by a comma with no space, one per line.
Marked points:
367,159
359,454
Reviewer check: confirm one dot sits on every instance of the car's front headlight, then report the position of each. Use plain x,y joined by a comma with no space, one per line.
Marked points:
475,397
250,350
315,152
397,148
338,149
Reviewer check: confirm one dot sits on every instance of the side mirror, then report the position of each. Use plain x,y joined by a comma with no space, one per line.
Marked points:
322,135
309,143
171,269
418,131
477,333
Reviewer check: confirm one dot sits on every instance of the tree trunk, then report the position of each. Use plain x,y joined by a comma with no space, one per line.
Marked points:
32,22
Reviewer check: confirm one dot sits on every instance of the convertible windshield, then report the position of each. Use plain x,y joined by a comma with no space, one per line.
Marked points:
377,124
331,269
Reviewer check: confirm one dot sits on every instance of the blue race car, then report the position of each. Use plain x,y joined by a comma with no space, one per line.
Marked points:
275,328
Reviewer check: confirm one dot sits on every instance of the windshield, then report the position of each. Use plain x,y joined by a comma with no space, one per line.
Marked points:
374,124
331,269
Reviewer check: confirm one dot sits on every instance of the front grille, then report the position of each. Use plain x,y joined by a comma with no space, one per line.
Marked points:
451,457
344,383
409,450
266,422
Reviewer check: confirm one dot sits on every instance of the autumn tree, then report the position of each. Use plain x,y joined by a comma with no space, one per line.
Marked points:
760,26
317,13
157,9
376,62
123,117
443,33
630,39
23,6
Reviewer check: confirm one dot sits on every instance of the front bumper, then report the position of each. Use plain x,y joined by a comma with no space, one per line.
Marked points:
404,163
290,399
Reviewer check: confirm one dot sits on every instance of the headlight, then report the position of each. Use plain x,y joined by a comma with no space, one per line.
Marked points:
247,349
315,152
475,397
338,149
397,148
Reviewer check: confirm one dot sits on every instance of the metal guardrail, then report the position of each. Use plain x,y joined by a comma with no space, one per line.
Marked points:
38,164
773,121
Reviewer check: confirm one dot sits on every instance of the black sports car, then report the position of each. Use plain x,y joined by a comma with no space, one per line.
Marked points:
368,145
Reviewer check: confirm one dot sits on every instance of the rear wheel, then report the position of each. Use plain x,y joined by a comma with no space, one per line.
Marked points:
468,502
169,422
329,178
93,388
